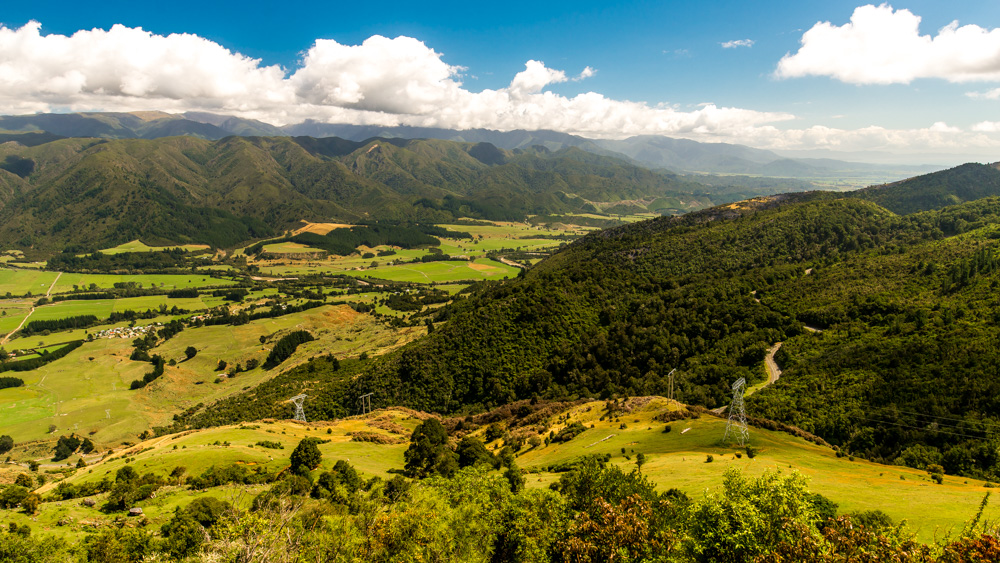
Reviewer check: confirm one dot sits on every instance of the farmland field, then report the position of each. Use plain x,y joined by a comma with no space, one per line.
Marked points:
72,393
436,272
139,246
513,237
164,281
20,282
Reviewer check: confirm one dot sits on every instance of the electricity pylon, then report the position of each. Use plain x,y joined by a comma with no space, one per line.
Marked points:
737,424
300,414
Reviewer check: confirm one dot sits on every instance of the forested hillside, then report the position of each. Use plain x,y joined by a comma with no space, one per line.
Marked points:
967,182
906,307
93,193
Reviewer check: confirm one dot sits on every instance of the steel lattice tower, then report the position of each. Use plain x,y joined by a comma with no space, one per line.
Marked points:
300,415
737,425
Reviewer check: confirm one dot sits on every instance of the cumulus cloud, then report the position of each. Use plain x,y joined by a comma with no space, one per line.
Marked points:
881,45
993,94
382,81
737,43
987,126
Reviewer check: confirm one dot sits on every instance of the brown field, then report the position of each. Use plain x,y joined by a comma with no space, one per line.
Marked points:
319,228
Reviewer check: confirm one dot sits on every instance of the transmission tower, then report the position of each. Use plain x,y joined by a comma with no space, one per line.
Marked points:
737,425
670,376
366,403
107,413
300,415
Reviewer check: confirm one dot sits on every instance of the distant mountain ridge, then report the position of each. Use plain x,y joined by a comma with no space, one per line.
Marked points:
679,155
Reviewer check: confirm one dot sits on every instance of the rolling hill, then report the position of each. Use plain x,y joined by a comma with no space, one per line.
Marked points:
874,310
967,182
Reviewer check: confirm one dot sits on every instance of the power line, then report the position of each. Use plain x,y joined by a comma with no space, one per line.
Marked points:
983,422
921,428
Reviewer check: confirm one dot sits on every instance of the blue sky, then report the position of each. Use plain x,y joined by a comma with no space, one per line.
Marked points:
653,52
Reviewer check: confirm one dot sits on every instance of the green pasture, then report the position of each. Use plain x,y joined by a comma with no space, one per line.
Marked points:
162,281
20,282
197,451
290,248
488,238
11,313
139,246
505,230
72,393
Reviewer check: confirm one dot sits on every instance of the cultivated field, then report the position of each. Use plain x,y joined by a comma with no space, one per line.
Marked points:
496,237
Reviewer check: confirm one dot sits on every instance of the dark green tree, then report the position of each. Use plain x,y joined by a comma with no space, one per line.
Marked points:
429,453
471,451
6,444
306,457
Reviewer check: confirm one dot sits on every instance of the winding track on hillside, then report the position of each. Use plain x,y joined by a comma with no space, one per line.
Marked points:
773,371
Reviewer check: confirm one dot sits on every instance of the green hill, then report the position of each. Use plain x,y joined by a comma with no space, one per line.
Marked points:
673,460
967,182
92,193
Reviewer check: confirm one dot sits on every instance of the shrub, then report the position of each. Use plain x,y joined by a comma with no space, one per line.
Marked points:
710,458
6,444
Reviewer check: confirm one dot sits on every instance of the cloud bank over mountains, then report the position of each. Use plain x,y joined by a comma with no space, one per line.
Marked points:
402,81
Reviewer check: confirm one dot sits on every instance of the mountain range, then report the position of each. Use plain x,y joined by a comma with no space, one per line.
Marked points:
94,192
679,155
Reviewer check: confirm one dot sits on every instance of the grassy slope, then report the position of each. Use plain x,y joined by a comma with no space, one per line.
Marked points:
74,392
197,451
675,459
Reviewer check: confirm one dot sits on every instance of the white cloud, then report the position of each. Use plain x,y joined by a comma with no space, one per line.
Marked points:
987,126
884,46
737,43
398,81
382,81
993,94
